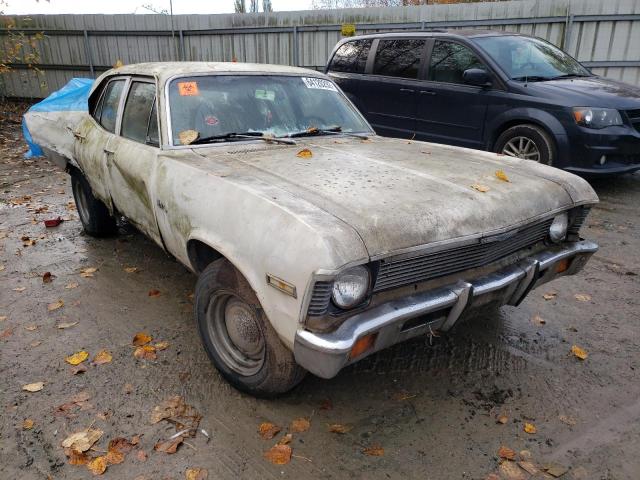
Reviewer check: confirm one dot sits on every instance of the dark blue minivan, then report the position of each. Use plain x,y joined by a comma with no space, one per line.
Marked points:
496,91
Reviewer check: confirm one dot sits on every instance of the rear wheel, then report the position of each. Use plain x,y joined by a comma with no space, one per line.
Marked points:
237,335
528,142
94,215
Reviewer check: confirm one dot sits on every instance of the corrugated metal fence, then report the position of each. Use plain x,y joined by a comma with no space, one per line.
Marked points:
604,36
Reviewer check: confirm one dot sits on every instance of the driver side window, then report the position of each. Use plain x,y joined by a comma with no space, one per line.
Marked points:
449,60
106,112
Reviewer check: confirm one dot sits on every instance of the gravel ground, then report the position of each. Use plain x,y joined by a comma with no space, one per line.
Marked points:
429,411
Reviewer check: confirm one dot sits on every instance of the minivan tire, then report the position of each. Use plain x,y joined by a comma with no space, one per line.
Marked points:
242,345
94,215
532,133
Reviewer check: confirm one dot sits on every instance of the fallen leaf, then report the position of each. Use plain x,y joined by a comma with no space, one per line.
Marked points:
31,328
555,469
88,271
81,396
339,428
77,357
579,352
76,458
71,285
374,451
19,289
511,471
141,338
27,424
131,269
7,332
268,430
530,428
121,445
549,295
538,320
582,297
35,343
103,356
141,456
480,188
33,387
83,440
64,325
568,420
286,439
300,425
528,467
56,305
176,410
98,465
3,318
500,175
196,474
304,153
154,293
47,277
78,369
506,452
278,454
113,457
502,418
525,455
169,446
146,352
161,345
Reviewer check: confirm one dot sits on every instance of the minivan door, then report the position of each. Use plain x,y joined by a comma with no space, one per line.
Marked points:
390,91
450,111
347,66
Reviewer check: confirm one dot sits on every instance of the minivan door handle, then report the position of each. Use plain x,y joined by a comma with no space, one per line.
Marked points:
427,92
406,90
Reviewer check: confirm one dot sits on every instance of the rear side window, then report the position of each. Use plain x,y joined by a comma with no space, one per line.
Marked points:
107,112
137,118
398,58
449,60
351,57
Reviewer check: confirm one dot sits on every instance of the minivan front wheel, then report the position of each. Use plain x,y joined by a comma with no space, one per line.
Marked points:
528,142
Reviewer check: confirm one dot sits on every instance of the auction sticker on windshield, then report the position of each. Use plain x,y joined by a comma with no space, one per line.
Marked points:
320,83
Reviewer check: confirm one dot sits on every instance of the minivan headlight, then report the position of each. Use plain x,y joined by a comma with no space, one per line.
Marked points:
596,117
558,228
351,286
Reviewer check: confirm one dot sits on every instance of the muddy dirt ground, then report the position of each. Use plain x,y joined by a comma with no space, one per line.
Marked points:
432,409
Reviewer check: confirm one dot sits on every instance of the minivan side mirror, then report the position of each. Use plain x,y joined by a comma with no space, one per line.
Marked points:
477,77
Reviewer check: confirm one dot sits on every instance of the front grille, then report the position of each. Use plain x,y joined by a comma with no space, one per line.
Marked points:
396,273
320,299
578,220
634,118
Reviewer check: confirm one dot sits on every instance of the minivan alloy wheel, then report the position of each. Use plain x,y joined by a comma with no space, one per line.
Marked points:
522,147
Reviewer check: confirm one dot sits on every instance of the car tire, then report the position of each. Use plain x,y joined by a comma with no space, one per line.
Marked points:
238,337
94,215
529,142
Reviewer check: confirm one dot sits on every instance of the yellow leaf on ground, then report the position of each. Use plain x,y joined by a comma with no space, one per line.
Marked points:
500,175
480,188
64,325
89,270
131,269
19,289
502,418
339,428
33,387
300,425
538,320
103,356
83,440
196,474
374,451
278,454
268,430
55,306
549,295
77,357
161,345
146,352
304,153
141,338
506,452
579,352
530,428
27,424
582,297
98,465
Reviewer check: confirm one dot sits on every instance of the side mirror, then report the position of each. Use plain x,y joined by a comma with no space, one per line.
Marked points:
477,77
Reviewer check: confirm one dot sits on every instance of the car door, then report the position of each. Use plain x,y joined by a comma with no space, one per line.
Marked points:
450,111
347,66
94,133
132,157
390,91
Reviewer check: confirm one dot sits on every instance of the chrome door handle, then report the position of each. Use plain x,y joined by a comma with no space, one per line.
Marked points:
76,134
406,90
427,92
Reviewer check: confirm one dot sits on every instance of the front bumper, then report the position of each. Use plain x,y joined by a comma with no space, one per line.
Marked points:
325,354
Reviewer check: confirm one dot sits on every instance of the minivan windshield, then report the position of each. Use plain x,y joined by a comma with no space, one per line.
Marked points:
530,59
213,108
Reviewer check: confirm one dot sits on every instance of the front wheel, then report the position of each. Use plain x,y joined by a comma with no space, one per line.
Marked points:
528,142
237,335
94,215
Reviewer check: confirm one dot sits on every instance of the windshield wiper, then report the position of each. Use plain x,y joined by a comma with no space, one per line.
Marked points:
569,75
241,136
337,130
531,78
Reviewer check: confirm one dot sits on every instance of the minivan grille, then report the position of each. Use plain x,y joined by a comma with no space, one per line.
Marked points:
634,118
396,273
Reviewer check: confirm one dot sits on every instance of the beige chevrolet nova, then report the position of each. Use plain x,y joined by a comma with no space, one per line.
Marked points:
316,242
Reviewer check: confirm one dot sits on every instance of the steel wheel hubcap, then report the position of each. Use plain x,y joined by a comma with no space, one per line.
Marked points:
522,147
235,333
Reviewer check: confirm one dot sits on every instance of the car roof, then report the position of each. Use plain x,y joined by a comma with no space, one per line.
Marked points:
467,33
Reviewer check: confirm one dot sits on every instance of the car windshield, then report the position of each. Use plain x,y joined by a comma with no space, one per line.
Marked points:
233,107
530,59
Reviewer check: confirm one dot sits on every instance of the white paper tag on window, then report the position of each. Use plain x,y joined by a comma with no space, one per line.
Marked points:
320,83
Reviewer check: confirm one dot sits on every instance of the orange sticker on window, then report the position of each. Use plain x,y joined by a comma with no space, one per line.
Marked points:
188,88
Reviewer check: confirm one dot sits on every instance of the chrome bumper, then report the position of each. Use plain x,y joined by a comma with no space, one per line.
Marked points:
325,354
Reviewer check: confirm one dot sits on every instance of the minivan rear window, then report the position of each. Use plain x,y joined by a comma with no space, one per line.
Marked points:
399,58
351,57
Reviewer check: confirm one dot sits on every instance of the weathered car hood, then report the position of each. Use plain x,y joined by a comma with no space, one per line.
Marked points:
398,194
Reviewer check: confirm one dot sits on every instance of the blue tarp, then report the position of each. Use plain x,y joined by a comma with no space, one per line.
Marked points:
72,97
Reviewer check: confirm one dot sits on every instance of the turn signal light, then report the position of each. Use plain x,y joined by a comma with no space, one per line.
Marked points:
562,265
363,344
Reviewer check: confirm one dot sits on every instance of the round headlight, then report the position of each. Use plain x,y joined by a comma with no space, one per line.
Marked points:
350,287
558,229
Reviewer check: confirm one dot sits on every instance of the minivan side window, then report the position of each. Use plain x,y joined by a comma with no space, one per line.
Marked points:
398,58
137,118
449,60
351,57
109,105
